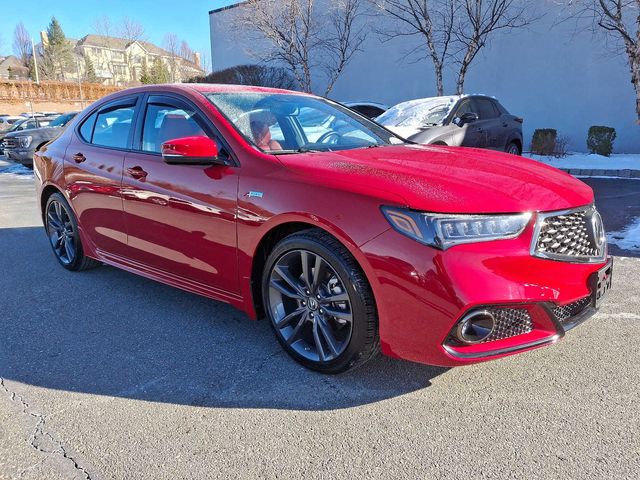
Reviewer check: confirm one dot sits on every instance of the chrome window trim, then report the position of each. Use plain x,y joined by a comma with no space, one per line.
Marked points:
542,216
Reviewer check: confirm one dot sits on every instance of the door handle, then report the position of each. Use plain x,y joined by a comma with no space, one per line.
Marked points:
137,172
79,158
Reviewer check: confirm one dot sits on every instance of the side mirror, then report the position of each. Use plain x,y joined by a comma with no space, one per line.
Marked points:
191,151
465,118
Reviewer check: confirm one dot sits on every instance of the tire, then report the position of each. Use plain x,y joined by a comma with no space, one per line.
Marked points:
328,323
62,230
513,149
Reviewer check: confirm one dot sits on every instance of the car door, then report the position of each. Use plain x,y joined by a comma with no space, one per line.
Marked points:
181,219
490,123
93,172
468,134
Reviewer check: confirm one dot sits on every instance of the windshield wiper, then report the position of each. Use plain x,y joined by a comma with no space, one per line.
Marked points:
298,150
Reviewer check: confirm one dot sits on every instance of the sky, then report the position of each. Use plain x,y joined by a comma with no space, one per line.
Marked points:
189,19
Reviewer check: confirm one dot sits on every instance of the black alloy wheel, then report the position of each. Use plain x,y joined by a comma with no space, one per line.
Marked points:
62,230
319,303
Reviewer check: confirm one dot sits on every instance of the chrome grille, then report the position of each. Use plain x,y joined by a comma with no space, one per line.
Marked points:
574,235
566,312
10,143
509,323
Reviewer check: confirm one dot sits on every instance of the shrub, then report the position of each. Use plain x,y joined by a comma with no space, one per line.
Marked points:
544,141
600,140
258,75
560,150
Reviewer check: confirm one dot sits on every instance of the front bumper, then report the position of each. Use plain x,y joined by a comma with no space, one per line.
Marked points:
422,293
23,156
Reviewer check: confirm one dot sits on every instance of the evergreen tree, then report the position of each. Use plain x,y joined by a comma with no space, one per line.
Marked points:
90,71
58,53
160,72
145,77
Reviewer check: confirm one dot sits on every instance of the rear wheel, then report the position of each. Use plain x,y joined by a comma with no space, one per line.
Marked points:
513,149
319,303
62,230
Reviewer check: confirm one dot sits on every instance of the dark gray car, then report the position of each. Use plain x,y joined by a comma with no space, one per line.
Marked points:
20,145
464,121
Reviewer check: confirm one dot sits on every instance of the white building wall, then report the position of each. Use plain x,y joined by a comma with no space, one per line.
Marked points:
549,73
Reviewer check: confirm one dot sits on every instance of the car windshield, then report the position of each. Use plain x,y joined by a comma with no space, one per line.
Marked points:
426,112
62,120
288,123
16,125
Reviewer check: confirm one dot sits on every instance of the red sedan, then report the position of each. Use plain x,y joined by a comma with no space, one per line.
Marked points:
349,239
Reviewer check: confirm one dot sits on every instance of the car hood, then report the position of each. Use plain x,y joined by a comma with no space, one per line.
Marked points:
42,132
445,179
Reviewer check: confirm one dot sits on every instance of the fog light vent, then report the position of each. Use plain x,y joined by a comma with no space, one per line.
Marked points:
476,327
481,326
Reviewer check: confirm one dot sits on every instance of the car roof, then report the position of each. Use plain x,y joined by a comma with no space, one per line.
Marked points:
201,88
206,88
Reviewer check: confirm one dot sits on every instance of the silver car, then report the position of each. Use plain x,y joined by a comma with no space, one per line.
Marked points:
460,120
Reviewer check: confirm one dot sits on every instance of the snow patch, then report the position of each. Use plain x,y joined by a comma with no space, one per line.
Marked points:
16,169
417,113
586,161
628,238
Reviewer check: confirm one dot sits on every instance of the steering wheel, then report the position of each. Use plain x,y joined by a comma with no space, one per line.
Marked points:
326,136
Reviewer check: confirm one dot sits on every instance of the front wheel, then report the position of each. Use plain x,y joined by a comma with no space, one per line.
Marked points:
513,149
62,230
319,303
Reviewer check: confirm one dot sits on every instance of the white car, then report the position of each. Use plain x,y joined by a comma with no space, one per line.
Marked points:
7,120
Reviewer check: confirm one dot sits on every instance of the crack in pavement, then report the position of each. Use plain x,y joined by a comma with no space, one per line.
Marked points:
40,437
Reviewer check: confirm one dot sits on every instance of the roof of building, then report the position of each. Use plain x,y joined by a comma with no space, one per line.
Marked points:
116,43
226,5
11,62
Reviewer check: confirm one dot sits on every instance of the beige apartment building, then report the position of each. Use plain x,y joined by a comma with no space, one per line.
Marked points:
121,62
117,61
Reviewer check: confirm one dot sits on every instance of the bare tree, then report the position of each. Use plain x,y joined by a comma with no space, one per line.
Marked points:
172,45
186,52
104,29
454,31
131,30
433,21
479,20
22,44
619,22
302,39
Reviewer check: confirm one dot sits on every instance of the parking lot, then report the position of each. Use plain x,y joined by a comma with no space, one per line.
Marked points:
106,374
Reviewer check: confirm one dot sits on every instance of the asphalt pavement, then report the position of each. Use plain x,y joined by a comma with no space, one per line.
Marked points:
107,375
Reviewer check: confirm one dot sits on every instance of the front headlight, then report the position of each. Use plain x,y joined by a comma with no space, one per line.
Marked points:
442,230
24,142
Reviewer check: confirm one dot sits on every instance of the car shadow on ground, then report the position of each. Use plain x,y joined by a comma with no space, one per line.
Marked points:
112,333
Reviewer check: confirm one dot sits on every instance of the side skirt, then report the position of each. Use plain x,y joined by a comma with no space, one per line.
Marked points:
173,280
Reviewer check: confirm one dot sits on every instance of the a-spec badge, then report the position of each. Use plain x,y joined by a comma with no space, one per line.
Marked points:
254,194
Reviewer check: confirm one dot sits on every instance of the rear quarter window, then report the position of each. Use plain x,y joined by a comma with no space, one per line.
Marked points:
86,129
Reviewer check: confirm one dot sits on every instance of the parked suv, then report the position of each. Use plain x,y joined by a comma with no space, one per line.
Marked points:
460,121
22,125
20,146
345,237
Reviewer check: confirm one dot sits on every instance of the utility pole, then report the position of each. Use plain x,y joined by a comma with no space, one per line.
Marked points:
80,83
34,54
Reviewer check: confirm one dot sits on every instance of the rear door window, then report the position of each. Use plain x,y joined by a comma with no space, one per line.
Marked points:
486,111
113,127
